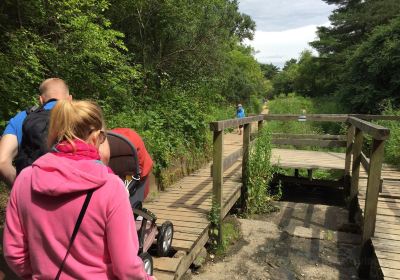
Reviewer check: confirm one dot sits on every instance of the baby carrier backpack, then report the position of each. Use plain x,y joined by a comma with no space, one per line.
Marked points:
34,136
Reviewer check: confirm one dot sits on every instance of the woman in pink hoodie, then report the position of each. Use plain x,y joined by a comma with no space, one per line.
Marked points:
47,198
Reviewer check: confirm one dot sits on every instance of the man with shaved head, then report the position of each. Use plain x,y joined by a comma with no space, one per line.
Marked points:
33,122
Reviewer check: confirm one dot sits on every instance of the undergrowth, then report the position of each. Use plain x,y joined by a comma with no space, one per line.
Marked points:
260,172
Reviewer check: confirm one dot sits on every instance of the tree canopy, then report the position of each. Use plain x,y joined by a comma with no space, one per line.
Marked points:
357,61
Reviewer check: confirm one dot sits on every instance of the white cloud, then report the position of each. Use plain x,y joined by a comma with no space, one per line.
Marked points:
279,15
278,47
284,27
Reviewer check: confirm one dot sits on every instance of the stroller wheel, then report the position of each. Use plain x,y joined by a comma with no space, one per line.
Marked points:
164,240
147,262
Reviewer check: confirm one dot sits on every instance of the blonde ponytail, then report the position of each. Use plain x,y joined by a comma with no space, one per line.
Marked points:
70,120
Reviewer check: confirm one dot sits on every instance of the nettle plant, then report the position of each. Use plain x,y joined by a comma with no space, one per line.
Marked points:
260,172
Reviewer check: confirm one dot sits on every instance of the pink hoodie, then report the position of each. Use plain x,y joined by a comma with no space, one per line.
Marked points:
41,214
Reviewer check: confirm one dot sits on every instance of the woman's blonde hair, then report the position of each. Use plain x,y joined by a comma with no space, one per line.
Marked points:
70,120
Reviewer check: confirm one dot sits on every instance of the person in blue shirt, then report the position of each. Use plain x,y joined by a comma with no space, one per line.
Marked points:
240,114
53,88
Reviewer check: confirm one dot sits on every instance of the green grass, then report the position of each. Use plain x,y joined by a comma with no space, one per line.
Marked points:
230,235
392,145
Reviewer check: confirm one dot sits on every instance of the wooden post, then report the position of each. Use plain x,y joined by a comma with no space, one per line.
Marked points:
374,180
260,125
218,149
347,165
358,140
296,173
246,153
309,174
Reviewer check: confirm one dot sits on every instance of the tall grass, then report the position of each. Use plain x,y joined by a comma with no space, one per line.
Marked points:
296,104
260,172
392,145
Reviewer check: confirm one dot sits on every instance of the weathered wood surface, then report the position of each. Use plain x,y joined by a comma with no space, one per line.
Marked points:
289,158
309,142
187,204
386,239
378,132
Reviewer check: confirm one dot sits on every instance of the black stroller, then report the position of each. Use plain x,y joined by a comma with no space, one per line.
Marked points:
124,162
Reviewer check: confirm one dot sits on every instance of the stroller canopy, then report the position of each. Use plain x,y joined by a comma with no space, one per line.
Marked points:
123,156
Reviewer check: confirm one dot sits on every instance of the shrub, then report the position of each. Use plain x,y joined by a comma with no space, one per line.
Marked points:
260,172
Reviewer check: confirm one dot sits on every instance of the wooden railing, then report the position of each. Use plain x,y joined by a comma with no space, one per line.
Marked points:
356,130
220,164
358,125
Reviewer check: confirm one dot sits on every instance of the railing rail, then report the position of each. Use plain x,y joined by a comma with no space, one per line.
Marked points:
358,125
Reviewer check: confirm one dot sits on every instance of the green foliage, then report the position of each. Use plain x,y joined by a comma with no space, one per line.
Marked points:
392,152
292,104
180,41
164,68
230,234
214,214
244,77
373,70
297,104
260,172
269,70
359,53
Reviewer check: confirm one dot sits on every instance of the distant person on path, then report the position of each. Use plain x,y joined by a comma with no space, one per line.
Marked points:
48,196
240,114
25,135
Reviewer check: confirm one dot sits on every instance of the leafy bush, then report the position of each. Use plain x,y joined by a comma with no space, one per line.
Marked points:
175,126
292,104
260,172
392,152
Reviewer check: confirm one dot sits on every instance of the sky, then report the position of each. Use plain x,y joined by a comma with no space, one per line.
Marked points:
284,27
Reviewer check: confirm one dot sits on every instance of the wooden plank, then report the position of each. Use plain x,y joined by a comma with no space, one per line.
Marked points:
371,200
389,272
381,235
185,223
308,117
308,136
355,171
364,161
387,256
378,132
229,204
309,142
186,236
180,218
166,264
231,159
218,167
162,275
190,257
376,117
182,245
245,160
349,147
221,125
328,117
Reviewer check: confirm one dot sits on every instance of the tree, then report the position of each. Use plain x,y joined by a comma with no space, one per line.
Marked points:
373,74
179,41
352,23
269,70
67,39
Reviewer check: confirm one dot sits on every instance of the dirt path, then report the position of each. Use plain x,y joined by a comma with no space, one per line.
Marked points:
301,241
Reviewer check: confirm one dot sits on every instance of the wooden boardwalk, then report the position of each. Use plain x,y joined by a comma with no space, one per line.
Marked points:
386,240
187,203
